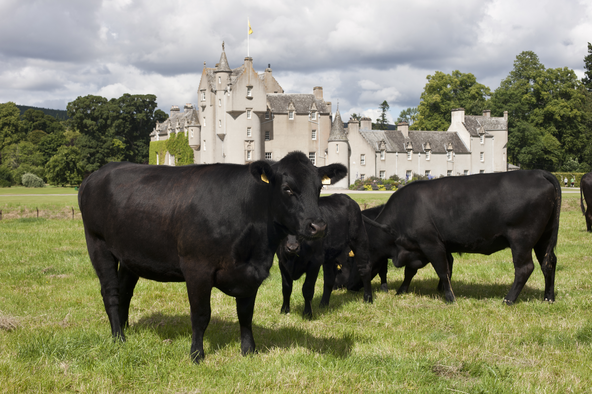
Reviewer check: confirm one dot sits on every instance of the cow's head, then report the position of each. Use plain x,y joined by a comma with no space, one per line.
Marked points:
295,185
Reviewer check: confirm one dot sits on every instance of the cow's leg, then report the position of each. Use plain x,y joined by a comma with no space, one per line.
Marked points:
328,282
127,283
409,274
438,256
244,310
312,274
523,267
199,290
450,260
287,284
588,217
548,269
362,259
382,271
105,265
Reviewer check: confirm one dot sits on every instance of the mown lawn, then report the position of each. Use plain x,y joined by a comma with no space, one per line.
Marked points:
55,336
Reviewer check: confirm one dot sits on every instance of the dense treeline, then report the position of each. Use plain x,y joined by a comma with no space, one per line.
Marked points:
96,132
549,111
59,114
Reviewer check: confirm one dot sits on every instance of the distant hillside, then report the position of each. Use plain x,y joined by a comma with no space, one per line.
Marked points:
56,113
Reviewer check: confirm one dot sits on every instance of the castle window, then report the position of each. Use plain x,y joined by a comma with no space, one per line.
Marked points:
204,121
362,177
219,123
482,139
382,174
312,156
382,155
249,155
249,132
313,115
203,95
409,154
428,155
267,115
267,155
249,114
428,172
314,135
249,91
449,173
482,156
337,148
291,115
408,175
362,160
481,171
267,136
466,172
219,102
449,155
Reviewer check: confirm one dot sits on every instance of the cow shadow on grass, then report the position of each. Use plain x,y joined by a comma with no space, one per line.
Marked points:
221,333
467,289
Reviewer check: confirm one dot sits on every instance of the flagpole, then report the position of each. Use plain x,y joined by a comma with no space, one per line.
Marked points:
248,37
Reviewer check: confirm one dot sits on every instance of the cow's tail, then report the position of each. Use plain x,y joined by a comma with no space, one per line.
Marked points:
381,226
582,201
557,209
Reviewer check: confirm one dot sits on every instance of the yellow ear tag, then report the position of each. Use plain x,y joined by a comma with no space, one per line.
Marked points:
326,180
351,253
338,266
264,178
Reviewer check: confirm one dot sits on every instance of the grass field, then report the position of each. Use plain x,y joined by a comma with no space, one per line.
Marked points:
55,336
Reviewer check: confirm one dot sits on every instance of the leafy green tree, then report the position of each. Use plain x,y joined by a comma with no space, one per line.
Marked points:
355,116
64,168
10,127
6,179
445,92
382,122
408,115
49,145
552,102
36,136
21,158
587,80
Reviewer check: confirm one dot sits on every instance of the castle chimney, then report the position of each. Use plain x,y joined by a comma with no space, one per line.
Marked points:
486,113
318,92
174,110
403,127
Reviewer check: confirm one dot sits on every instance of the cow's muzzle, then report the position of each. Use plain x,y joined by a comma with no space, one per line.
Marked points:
316,229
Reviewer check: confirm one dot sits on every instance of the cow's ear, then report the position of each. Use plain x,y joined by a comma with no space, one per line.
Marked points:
332,173
262,172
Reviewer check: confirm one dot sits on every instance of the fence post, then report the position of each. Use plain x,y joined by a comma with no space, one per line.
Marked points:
72,212
0,214
37,212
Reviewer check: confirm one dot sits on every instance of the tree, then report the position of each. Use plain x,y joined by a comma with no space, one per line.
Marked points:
587,79
445,92
408,115
10,127
355,116
382,122
552,102
64,168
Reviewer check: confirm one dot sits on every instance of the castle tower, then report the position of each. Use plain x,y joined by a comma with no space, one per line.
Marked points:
338,149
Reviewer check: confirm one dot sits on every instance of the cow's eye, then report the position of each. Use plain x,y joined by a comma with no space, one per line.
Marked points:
288,191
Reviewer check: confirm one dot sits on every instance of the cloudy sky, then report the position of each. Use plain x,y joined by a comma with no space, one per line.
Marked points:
360,52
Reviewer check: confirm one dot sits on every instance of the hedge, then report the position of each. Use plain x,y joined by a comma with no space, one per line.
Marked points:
562,175
177,145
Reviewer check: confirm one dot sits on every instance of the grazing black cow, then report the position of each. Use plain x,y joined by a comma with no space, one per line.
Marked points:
211,226
586,194
348,276
345,233
485,213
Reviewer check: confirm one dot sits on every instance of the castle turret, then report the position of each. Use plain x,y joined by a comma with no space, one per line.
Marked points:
338,149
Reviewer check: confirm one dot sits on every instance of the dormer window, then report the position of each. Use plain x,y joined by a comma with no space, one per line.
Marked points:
382,155
449,155
291,115
482,139
267,115
428,155
313,115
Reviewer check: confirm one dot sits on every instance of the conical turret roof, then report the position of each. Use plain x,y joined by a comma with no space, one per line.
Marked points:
223,64
337,130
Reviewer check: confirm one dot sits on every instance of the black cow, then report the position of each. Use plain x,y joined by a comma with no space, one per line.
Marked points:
485,213
211,226
586,194
345,233
348,276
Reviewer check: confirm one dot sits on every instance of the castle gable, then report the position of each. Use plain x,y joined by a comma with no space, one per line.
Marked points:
477,125
280,103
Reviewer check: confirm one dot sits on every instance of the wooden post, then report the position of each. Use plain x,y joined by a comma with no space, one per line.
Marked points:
0,214
37,212
72,212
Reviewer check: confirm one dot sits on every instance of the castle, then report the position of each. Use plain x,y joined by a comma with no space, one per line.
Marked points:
243,116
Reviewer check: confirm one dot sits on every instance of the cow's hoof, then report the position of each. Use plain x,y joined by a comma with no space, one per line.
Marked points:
549,301
508,302
384,288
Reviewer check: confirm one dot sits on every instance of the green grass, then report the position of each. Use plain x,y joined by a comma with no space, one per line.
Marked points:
37,190
55,336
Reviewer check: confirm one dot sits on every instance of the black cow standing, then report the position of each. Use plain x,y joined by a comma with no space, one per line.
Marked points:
429,220
211,226
586,194
348,276
345,233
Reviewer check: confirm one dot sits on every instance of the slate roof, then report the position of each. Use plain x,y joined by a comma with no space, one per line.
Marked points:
396,142
188,117
279,102
337,131
475,124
